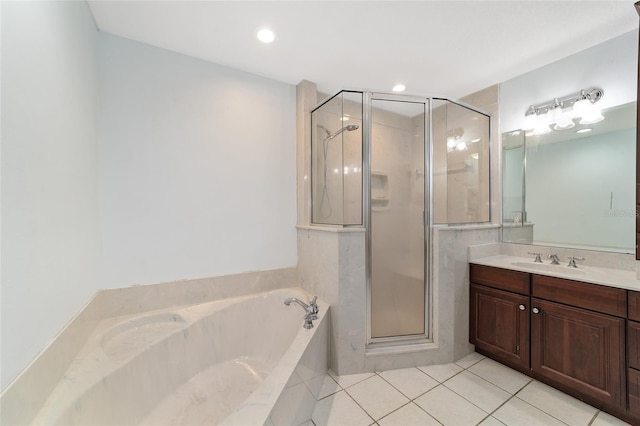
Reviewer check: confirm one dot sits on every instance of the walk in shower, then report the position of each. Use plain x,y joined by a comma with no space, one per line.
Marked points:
398,166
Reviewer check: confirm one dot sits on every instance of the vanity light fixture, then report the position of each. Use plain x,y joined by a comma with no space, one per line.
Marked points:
560,112
399,88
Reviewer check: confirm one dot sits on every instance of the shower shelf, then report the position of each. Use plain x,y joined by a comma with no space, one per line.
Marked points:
379,191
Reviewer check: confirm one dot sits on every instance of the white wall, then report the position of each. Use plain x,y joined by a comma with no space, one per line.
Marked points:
50,243
197,167
125,164
611,66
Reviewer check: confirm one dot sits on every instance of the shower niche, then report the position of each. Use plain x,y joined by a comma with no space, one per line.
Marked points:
397,166
379,191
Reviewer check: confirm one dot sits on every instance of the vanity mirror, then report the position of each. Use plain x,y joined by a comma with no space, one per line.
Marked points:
569,181
573,187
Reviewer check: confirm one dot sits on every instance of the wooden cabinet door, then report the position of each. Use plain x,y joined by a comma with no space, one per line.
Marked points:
634,392
499,325
579,349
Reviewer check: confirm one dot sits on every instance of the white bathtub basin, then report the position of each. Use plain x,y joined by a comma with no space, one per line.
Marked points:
131,336
230,361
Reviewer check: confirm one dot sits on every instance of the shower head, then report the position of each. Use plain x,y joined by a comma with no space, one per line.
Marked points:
349,128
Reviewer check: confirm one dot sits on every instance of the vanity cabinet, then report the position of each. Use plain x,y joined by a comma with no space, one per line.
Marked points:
566,333
499,314
633,352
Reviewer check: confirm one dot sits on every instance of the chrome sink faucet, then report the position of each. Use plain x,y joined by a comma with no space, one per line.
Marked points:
537,259
555,260
311,310
572,261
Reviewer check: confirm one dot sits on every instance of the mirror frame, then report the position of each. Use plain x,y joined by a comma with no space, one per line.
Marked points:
637,5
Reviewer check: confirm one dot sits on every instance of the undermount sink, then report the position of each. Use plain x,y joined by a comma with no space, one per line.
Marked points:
546,267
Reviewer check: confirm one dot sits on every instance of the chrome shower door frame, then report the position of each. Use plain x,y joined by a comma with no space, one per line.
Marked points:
403,340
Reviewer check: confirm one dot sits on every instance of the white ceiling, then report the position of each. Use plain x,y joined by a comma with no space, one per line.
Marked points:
447,48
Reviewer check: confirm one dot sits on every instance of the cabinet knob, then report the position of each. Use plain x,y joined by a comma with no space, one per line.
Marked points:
522,307
536,310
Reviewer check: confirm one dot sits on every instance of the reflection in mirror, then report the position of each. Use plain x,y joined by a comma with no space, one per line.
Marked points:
573,188
460,164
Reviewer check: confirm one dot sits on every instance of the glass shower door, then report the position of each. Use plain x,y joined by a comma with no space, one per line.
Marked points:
397,231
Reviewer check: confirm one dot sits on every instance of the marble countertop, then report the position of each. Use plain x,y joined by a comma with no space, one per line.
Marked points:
596,275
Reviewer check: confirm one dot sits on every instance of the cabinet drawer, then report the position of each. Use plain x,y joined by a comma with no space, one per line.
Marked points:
599,298
633,344
634,305
503,279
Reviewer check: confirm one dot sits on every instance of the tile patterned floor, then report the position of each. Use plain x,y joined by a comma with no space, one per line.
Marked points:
473,391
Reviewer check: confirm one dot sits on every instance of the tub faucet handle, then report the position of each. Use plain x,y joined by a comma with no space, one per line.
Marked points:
313,308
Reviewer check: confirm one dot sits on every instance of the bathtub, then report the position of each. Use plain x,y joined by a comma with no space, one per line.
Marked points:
239,361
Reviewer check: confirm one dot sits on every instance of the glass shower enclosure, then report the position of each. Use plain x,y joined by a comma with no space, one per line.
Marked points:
398,165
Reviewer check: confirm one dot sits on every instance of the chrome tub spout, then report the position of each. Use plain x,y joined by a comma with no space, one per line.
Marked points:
311,310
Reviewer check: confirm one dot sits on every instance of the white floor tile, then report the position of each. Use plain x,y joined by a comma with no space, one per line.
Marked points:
558,404
349,379
410,381
339,409
450,408
478,391
469,360
408,415
442,372
605,419
329,387
516,412
491,421
500,375
377,397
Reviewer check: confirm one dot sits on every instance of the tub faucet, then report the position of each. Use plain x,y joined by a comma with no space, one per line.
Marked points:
311,310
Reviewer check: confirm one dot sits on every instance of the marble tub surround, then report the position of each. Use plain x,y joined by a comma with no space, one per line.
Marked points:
191,365
20,401
605,268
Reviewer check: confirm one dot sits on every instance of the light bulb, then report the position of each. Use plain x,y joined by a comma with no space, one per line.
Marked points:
554,114
461,146
564,122
582,107
530,122
592,117
265,35
542,127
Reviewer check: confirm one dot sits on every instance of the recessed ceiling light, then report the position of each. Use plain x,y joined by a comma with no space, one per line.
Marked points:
265,35
399,88
584,130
